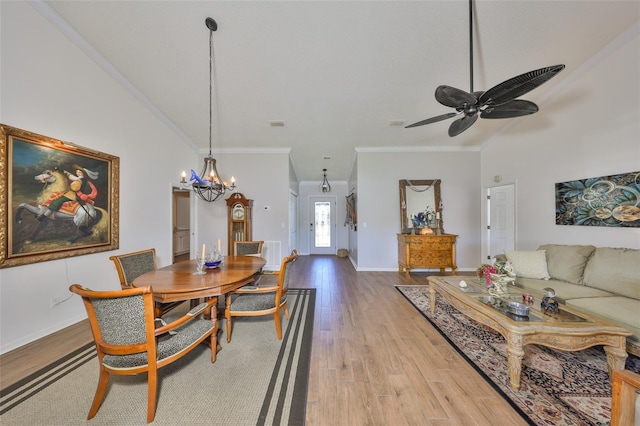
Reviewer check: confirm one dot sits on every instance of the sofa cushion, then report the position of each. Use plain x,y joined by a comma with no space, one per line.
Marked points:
621,310
567,262
564,290
528,264
616,270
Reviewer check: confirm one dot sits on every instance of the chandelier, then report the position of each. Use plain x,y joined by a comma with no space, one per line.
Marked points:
208,185
324,186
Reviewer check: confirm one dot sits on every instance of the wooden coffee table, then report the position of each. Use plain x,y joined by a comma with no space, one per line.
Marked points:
568,330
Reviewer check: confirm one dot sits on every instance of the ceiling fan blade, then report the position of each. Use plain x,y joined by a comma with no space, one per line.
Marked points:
433,119
515,108
454,98
519,85
462,124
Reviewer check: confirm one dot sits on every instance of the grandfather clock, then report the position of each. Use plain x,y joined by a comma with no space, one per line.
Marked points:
240,218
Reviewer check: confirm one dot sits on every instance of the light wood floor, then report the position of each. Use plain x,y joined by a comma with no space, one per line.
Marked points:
375,359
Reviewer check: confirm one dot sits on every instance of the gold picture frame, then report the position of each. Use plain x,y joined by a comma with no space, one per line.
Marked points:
57,199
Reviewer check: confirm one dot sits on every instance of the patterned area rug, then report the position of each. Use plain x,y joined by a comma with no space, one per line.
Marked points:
557,388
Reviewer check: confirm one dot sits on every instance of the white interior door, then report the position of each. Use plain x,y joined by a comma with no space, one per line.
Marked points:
502,226
322,225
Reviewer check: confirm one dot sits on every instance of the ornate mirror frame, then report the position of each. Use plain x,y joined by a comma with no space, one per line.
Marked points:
415,197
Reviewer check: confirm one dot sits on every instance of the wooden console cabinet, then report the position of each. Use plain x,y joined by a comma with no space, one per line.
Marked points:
427,251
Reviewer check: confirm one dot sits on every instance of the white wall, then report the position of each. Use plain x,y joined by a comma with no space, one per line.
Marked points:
589,129
379,202
261,177
50,87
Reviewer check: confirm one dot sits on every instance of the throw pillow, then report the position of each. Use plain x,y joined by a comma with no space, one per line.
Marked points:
567,262
616,270
529,264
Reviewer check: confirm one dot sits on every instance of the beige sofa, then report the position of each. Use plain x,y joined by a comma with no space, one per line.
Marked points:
598,280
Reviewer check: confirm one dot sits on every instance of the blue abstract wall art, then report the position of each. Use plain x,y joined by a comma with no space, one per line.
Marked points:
612,201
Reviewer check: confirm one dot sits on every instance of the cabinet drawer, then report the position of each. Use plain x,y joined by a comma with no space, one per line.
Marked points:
430,244
435,259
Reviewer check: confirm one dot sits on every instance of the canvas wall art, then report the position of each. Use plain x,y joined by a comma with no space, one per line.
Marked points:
612,201
57,199
351,219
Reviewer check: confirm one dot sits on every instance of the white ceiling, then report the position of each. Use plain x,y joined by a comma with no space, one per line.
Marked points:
337,72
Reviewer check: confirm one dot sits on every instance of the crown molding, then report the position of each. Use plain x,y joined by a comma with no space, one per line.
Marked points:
416,148
248,150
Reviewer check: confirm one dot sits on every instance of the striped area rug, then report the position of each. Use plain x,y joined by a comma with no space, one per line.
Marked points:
26,388
256,380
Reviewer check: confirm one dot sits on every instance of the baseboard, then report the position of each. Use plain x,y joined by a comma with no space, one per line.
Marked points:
42,334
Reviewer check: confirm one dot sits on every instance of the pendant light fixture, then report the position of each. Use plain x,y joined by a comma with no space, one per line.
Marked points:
324,186
208,185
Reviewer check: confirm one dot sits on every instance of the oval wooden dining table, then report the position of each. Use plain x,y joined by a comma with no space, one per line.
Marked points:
177,282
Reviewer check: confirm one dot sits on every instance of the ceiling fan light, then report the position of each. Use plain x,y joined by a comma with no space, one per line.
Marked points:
497,102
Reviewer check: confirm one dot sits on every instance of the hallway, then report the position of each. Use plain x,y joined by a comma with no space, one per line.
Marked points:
377,361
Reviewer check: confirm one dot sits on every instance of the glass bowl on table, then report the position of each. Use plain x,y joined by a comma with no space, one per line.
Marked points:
213,260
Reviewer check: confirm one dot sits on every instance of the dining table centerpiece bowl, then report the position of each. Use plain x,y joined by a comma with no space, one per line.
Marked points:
212,263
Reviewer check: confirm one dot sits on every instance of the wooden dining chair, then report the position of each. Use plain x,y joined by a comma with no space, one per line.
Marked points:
131,265
250,301
625,398
247,248
123,327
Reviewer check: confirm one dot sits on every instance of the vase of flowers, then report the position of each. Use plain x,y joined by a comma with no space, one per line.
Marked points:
497,277
424,220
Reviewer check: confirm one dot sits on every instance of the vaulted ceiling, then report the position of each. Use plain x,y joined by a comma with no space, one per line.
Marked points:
339,74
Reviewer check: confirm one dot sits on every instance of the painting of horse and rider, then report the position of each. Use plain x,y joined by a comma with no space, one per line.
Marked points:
61,199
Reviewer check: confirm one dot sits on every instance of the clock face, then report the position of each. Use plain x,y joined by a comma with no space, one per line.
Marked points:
238,212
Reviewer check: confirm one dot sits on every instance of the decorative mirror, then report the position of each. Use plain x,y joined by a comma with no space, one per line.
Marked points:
421,206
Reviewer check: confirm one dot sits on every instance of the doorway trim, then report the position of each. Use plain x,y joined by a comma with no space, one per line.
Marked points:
174,225
507,218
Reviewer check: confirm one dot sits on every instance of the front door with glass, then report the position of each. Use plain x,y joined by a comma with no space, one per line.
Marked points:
322,225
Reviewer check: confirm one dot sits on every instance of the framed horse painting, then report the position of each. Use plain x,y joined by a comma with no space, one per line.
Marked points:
57,199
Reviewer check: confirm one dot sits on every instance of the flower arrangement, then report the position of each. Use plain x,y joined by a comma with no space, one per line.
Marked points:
496,272
424,219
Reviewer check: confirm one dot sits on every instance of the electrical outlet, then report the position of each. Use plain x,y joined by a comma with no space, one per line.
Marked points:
55,301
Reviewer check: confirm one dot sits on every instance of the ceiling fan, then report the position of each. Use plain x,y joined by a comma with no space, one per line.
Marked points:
498,102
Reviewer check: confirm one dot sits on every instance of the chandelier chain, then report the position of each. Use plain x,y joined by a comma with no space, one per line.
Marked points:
209,186
210,86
